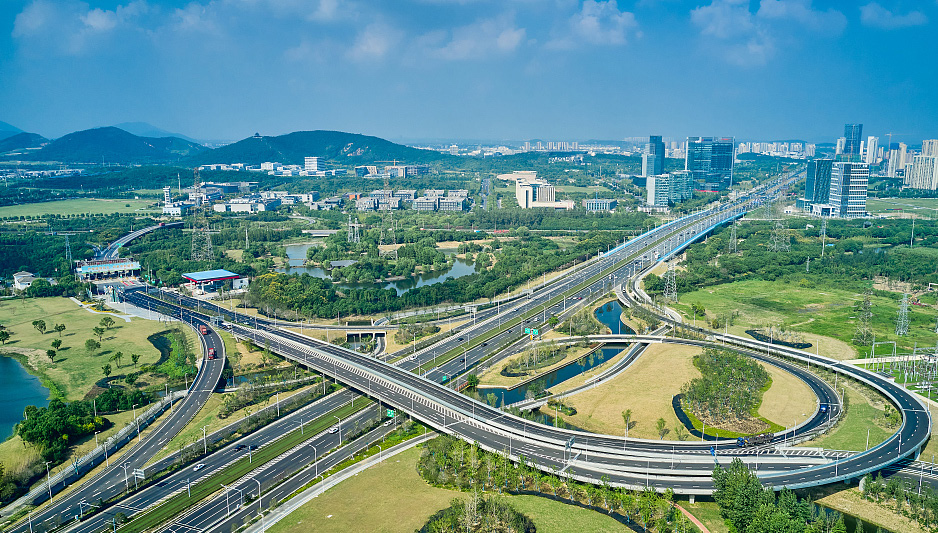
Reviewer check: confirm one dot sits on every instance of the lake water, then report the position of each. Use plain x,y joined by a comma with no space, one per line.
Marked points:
296,256
610,314
17,390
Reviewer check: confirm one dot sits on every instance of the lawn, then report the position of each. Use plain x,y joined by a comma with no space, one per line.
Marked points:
76,370
649,385
588,190
923,207
824,314
850,434
709,514
76,206
391,497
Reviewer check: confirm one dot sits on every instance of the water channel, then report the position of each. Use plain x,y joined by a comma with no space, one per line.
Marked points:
296,257
18,389
609,314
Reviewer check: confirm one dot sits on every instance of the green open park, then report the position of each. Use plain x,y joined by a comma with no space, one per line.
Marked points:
76,206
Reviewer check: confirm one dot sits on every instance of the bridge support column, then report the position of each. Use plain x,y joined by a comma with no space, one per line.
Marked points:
690,499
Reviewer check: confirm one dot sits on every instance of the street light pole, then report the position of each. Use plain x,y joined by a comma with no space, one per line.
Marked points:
204,442
260,509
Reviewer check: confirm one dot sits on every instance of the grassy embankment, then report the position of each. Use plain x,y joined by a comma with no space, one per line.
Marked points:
365,503
648,387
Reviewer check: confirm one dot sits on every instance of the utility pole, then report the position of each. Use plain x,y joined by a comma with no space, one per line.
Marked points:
823,236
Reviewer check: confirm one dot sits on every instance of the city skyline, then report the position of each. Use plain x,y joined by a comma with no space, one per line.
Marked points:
224,69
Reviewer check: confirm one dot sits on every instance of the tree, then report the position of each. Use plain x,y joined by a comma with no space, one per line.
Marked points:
737,492
40,326
627,418
51,355
472,381
98,332
4,336
92,345
135,357
107,322
680,432
56,343
117,358
662,427
106,369
553,321
59,328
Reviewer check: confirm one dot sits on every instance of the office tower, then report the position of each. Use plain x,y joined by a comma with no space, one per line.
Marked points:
674,187
818,182
653,158
839,148
923,173
852,135
848,189
311,164
872,148
710,161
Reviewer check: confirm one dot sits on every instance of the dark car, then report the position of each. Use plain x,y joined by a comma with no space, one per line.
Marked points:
240,447
485,344
253,447
459,339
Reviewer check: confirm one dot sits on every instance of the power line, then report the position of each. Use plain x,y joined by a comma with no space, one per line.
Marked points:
902,317
201,237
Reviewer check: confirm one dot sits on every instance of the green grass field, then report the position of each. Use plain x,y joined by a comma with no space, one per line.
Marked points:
76,370
76,206
923,207
825,311
391,497
587,190
851,433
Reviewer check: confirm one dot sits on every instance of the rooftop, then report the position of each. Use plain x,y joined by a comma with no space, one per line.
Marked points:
210,275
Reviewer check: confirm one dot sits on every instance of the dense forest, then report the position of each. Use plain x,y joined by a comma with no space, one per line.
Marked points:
728,389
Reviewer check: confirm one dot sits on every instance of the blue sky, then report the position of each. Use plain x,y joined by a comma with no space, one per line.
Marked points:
474,69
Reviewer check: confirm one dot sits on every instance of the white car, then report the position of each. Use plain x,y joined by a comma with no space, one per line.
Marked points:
389,422
198,467
333,429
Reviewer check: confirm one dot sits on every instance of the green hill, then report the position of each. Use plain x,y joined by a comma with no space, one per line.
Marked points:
22,140
334,146
114,145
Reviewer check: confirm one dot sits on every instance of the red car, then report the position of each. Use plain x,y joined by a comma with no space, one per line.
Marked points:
211,353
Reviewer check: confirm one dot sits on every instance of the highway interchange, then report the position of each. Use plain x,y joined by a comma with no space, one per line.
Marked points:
682,466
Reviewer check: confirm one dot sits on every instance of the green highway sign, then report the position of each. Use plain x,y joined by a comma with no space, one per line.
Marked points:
527,331
390,413
534,332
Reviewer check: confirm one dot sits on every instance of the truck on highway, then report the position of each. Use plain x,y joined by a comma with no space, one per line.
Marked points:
203,330
754,440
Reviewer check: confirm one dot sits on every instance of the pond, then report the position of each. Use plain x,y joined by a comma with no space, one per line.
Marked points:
610,314
296,257
18,389
556,376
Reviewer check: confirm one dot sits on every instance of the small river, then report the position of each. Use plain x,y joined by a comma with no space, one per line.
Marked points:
17,390
296,257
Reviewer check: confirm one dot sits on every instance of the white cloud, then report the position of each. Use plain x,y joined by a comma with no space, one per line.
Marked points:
477,40
598,23
374,42
71,26
875,15
750,38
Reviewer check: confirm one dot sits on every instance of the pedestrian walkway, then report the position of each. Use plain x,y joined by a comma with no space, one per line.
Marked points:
692,518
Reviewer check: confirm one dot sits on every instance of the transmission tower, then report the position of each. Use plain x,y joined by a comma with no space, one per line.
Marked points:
353,235
387,224
731,245
863,335
780,241
68,252
823,236
670,284
807,265
201,237
902,317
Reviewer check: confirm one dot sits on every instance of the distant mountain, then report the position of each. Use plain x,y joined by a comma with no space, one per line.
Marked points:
8,130
21,141
145,129
114,145
335,146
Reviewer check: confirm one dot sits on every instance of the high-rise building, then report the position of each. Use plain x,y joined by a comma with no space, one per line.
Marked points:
924,172
674,187
839,147
818,182
710,161
930,147
653,158
897,159
853,133
311,164
848,189
872,149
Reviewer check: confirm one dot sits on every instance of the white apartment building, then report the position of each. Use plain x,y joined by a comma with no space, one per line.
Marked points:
848,189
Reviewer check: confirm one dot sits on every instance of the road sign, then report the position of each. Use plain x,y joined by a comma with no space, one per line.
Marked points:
390,413
534,332
527,331
713,451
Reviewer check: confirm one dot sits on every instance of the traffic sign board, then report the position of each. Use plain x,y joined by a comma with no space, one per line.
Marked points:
390,413
534,332
527,331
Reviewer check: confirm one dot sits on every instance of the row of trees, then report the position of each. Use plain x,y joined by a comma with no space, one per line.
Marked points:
479,514
919,504
729,388
748,507
452,463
